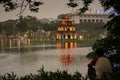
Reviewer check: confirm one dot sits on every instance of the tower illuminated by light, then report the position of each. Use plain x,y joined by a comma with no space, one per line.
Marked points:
66,30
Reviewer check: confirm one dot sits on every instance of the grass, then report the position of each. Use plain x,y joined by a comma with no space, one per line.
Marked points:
83,43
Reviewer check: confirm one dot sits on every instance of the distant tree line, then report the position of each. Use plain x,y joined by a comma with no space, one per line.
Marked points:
31,25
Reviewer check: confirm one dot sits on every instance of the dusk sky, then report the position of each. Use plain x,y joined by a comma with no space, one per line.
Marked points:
50,9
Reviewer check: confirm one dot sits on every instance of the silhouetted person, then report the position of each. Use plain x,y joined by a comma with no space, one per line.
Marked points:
102,66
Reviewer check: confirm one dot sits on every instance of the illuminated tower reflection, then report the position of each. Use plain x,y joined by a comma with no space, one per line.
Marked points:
66,59
65,55
66,45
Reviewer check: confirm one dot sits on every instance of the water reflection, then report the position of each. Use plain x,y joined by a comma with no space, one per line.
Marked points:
18,45
66,57
66,45
10,44
29,58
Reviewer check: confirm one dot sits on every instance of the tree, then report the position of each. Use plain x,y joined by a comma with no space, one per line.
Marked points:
9,27
91,30
10,5
110,44
22,25
33,25
52,26
1,27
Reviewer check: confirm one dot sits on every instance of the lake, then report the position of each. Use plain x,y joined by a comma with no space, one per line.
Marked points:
30,59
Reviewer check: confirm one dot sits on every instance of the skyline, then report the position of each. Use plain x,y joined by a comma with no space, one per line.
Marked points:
50,9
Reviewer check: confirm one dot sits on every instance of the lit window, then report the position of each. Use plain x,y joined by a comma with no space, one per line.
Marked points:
58,29
71,37
65,29
75,37
70,28
66,37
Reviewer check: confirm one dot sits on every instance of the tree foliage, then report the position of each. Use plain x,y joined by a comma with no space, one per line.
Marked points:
44,75
10,5
28,26
9,27
20,26
72,3
91,30
111,43
52,26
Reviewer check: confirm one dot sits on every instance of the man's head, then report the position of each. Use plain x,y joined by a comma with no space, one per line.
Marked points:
99,52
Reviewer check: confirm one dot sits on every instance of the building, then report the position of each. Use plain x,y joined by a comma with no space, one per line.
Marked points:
66,30
77,19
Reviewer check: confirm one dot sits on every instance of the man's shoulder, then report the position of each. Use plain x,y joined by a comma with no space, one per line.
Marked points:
100,58
103,59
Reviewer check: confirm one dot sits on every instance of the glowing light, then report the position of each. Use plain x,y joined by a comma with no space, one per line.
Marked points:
75,36
81,37
66,37
65,28
66,59
105,11
66,45
71,37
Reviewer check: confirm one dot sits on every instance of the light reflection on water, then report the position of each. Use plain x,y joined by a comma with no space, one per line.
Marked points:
29,59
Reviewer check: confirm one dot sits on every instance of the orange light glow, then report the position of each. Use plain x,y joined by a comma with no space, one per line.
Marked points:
66,45
66,29
66,59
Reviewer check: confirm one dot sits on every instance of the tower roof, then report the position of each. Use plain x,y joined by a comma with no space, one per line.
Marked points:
66,20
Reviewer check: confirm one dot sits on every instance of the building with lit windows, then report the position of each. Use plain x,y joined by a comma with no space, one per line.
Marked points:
66,30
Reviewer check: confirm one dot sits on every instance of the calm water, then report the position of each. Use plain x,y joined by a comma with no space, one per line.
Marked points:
29,61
